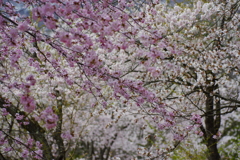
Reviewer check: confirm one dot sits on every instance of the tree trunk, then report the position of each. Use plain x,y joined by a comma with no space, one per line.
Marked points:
57,134
34,129
212,125
212,148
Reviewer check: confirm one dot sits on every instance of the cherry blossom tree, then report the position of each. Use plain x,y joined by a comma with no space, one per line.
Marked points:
116,79
205,69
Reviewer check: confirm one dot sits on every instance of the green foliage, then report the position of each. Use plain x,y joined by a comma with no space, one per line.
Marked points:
189,152
231,149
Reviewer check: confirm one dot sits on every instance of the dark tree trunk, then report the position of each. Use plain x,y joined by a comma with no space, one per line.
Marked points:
212,148
34,129
212,123
57,134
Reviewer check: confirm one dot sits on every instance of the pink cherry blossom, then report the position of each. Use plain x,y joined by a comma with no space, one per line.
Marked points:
117,78
28,103
49,118
18,116
23,26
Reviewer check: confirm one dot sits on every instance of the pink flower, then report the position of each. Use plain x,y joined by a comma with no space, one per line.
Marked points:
18,140
31,79
30,142
6,105
50,121
38,154
161,126
28,103
25,87
48,10
49,117
18,116
189,128
38,144
140,101
13,33
153,71
178,137
66,135
23,26
7,149
4,112
196,118
51,24
66,38
25,153
2,141
25,123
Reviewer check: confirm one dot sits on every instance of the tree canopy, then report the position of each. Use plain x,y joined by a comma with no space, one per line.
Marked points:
107,79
